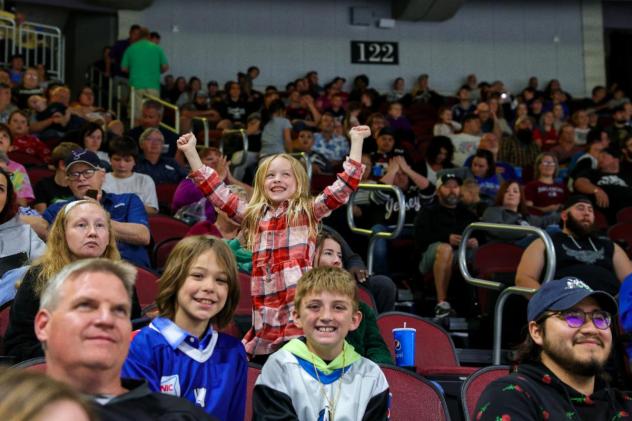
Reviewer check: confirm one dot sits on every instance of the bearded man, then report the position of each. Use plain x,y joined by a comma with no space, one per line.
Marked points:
579,251
560,363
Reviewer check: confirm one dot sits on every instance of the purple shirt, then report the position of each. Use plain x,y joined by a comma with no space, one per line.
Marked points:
188,193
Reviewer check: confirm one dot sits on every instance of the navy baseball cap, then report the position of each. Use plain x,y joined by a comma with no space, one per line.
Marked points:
447,177
562,294
83,156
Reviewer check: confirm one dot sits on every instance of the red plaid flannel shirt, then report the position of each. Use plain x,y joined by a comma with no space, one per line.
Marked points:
282,253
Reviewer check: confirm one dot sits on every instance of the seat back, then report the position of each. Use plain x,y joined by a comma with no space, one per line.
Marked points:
473,387
621,231
244,308
625,215
26,159
146,287
162,252
5,312
254,370
36,174
601,222
165,192
232,329
497,258
440,354
37,365
413,397
366,297
163,227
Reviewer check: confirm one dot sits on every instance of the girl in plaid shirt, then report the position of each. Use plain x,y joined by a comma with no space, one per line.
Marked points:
279,226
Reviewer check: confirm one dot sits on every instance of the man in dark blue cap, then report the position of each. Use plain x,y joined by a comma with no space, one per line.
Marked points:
561,361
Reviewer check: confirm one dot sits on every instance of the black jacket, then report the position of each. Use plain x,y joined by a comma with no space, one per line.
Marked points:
533,392
141,404
437,223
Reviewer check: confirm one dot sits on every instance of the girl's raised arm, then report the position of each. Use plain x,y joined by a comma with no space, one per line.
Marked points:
186,143
357,135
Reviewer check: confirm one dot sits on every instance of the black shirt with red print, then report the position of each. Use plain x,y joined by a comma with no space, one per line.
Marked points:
533,392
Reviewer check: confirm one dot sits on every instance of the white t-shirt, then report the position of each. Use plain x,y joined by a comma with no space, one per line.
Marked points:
464,146
140,184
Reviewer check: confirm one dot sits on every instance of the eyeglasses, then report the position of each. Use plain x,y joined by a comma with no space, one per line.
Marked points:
86,174
548,163
576,318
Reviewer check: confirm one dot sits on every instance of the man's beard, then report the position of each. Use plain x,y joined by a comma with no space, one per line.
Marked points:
450,200
563,357
578,229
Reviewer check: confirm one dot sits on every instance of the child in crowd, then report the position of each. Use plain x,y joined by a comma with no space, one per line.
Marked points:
23,141
279,225
321,376
385,141
366,339
19,176
123,153
180,352
303,141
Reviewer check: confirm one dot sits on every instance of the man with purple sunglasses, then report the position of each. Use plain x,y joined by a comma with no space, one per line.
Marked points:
558,376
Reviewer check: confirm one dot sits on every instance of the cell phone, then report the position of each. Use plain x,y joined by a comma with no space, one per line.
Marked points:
92,194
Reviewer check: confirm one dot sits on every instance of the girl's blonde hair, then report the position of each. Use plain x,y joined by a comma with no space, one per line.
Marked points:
300,203
57,254
25,395
177,269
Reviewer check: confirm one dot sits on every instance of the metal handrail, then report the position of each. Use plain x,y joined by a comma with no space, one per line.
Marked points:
505,292
373,236
204,121
39,33
308,164
244,138
7,28
176,123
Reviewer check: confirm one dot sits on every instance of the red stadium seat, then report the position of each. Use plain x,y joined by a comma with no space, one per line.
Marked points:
146,287
320,181
366,297
165,192
233,330
437,360
36,174
26,159
414,398
601,222
254,370
497,258
5,312
473,387
162,252
164,227
622,232
244,308
625,215
37,365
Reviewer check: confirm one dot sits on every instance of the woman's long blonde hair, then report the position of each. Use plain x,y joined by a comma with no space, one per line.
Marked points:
57,254
300,203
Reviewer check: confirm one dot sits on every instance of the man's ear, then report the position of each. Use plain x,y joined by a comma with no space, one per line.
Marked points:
537,333
564,216
42,320
356,318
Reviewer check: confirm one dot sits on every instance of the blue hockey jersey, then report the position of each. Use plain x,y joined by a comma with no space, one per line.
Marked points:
210,372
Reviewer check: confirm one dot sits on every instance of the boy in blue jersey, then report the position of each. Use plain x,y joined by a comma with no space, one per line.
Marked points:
180,353
320,376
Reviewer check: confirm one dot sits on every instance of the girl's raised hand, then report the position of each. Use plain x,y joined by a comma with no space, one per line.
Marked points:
359,132
187,142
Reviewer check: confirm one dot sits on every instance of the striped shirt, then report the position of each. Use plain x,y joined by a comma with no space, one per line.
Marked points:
282,252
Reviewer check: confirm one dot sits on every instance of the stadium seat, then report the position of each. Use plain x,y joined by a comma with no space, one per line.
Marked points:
165,192
244,308
233,330
320,181
164,227
253,373
434,350
36,174
37,365
621,234
5,311
601,222
26,159
366,297
413,397
146,287
473,387
625,215
497,258
162,251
